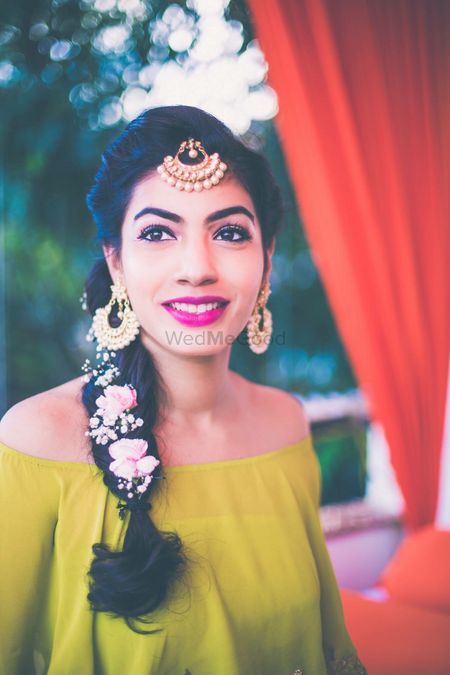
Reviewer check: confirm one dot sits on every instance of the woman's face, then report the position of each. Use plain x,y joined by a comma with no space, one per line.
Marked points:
177,244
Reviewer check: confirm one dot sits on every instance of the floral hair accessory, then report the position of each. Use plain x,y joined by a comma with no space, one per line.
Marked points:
105,372
131,460
132,466
115,401
83,301
113,414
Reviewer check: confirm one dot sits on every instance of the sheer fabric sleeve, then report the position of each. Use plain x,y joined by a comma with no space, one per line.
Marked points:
339,651
28,516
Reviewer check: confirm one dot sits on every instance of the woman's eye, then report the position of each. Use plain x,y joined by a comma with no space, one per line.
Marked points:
153,233
232,233
232,230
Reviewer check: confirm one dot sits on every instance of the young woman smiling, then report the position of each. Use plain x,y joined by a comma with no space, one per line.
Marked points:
161,487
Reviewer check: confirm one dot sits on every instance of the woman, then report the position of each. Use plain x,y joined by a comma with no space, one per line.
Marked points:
161,511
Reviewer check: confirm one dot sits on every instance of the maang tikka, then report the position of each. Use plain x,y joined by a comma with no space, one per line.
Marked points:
258,339
192,177
114,337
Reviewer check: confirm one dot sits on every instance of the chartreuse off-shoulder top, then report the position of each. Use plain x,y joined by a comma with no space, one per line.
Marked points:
260,597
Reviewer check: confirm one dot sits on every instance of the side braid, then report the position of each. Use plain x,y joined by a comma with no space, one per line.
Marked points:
135,581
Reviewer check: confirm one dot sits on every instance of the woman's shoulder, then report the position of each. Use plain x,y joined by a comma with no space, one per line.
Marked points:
50,424
281,415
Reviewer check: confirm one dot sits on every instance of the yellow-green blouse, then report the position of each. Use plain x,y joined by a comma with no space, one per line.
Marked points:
260,598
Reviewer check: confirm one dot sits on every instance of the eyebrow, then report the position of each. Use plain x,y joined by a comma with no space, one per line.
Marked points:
175,218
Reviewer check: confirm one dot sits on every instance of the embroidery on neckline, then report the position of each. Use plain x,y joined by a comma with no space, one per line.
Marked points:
346,665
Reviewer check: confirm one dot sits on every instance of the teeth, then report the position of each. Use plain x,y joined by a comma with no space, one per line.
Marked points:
194,309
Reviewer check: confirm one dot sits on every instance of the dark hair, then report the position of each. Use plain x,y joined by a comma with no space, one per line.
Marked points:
133,582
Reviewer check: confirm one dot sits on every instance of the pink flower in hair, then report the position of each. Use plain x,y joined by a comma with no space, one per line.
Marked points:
130,458
115,400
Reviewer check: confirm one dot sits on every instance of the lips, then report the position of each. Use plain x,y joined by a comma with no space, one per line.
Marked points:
193,319
192,300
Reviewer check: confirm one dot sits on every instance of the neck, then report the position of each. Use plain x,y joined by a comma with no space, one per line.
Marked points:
200,391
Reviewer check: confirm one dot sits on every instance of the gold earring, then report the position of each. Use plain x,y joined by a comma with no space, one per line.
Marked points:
258,340
107,336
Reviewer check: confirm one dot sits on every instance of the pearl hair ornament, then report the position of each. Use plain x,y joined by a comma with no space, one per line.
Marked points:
202,175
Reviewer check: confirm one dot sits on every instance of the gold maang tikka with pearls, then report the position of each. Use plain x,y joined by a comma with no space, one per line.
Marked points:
196,177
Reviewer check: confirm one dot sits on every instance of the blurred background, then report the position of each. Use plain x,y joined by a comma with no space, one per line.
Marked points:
72,74
348,100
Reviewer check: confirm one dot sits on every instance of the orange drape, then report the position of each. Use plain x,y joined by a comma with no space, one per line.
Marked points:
364,94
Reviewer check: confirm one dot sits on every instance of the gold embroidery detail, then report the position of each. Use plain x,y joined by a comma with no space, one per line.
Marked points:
347,665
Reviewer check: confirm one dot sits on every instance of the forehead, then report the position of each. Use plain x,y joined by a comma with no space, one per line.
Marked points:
153,191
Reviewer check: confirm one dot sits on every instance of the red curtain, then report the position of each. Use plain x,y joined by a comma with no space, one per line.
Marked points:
364,94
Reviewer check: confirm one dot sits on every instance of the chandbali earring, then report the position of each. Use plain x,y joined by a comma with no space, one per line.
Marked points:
114,337
258,339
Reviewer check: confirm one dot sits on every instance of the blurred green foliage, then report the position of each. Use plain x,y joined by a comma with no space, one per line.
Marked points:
341,446
51,147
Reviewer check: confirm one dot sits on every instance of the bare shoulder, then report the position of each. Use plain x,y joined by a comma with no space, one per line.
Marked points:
286,412
50,425
281,416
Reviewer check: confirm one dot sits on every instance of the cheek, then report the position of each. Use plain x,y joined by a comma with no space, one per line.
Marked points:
139,280
251,268
245,280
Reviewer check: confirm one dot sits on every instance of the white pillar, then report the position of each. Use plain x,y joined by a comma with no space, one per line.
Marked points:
443,510
382,488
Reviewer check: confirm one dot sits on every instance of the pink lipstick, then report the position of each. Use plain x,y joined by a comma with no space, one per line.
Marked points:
202,318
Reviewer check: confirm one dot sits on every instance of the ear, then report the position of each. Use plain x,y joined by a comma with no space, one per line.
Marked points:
113,261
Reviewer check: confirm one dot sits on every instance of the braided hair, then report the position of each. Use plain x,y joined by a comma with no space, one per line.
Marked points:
132,582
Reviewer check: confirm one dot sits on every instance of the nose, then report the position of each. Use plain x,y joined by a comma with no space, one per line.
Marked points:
196,264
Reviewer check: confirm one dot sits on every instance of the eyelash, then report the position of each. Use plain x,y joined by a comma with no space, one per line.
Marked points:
231,227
